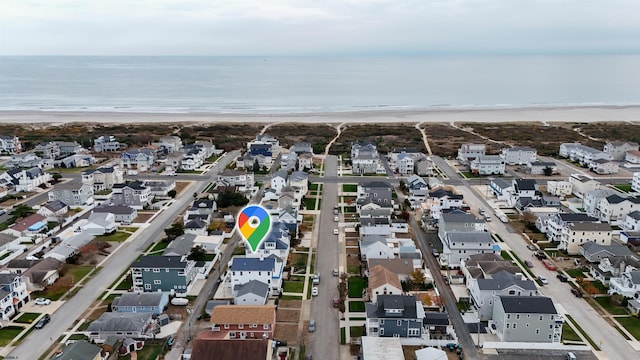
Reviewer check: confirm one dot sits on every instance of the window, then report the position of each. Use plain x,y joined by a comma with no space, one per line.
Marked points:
399,323
156,270
508,325
414,332
517,316
157,282
537,331
381,332
166,270
253,325
540,317
265,326
226,326
147,286
241,326
515,325
381,321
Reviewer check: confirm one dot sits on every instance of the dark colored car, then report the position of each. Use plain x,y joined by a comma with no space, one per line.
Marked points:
42,322
541,255
576,292
562,277
528,263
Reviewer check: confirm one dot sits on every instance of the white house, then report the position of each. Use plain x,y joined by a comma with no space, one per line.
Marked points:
581,232
382,282
618,149
614,208
502,283
632,159
365,159
13,295
299,180
100,224
519,155
539,167
72,194
375,247
582,184
103,178
141,159
627,285
559,188
468,152
460,245
254,292
526,319
28,180
604,167
487,165
635,183
632,221
267,270
405,164
10,144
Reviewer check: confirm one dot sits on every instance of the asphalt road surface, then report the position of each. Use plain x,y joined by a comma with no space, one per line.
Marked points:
323,343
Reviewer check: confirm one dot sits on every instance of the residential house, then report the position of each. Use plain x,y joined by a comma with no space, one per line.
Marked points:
502,189
460,245
13,295
469,152
400,267
382,282
559,188
440,200
53,210
173,162
107,143
211,243
8,244
196,226
301,148
172,143
628,284
299,180
79,349
103,178
395,316
423,166
10,144
483,266
236,178
519,155
594,252
100,224
618,149
613,267
267,270
456,222
540,167
526,319
206,349
180,246
558,223
194,157
487,165
430,353
279,181
632,159
254,292
289,217
69,148
396,154
634,307
277,243
405,164
377,193
305,161
632,221
72,193
27,180
582,154
375,247
635,182
581,232
244,321
162,273
122,214
160,188
141,159
123,324
47,150
483,291
202,208
591,201
133,194
365,159
604,167
41,274
582,184
615,208
289,161
140,302
69,247
32,224
29,160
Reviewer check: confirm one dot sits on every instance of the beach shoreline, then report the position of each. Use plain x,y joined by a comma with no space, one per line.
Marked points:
556,114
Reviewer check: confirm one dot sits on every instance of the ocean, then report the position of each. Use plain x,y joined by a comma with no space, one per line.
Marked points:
272,85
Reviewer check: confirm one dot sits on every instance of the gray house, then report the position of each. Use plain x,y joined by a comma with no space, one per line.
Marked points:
72,194
376,192
254,292
162,273
526,319
133,194
395,316
140,303
135,325
503,283
121,213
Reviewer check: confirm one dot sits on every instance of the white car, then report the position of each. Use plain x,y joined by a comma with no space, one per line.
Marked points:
336,231
42,301
314,291
543,279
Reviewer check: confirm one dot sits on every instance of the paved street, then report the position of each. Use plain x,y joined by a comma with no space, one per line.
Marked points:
39,341
324,342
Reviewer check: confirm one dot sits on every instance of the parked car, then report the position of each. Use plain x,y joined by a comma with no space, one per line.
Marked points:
316,279
336,231
43,321
42,301
562,277
576,292
532,247
543,279
336,218
528,263
335,302
312,325
435,252
541,255
314,291
335,272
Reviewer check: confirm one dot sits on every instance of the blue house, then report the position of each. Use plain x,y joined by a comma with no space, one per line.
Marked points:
260,149
395,315
141,302
162,273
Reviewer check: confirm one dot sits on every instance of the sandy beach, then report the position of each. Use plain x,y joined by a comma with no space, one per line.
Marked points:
530,114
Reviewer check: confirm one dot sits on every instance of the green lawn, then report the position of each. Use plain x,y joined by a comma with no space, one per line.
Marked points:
158,248
27,318
129,229
239,250
79,271
568,334
356,285
356,306
349,188
356,331
313,187
632,324
118,236
126,284
349,209
293,286
343,336
605,302
150,351
623,187
310,203
9,333
574,273
353,269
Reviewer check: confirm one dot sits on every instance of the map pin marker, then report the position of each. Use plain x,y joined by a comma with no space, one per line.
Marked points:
254,224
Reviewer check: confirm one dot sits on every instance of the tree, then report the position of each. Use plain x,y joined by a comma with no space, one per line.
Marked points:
174,231
230,198
417,277
197,254
528,218
172,193
256,165
548,171
56,177
21,211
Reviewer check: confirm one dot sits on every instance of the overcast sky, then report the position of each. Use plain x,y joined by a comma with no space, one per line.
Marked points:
301,27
